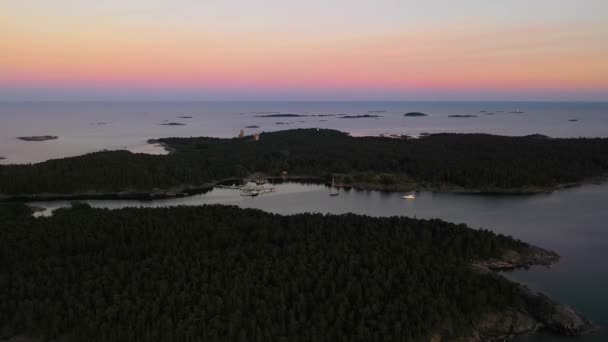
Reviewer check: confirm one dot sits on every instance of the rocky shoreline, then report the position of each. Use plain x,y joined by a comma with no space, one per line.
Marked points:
190,190
535,311
123,195
451,188
511,259
39,138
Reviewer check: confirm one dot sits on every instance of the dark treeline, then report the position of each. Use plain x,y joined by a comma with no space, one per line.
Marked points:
221,273
470,161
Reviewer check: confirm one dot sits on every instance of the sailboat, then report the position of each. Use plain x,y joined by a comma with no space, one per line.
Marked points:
334,191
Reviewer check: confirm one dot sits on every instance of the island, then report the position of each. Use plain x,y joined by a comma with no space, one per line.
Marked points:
185,117
472,163
414,114
573,120
252,126
218,272
172,124
377,111
39,138
2,158
364,116
281,123
462,116
281,115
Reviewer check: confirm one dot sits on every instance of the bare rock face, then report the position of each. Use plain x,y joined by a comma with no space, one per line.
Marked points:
504,325
538,312
39,138
535,312
558,318
512,259
567,321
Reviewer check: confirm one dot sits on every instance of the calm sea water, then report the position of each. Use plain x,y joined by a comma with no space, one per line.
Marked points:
85,127
572,222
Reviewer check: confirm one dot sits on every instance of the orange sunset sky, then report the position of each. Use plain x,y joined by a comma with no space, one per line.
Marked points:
231,50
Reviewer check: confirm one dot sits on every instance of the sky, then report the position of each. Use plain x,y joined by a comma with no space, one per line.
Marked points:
304,50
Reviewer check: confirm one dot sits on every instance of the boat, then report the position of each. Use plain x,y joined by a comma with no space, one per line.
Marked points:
252,189
334,191
250,193
409,197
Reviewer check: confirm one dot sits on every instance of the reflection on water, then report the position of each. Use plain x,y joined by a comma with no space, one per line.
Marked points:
572,222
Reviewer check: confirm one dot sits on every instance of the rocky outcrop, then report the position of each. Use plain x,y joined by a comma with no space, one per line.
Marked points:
39,138
512,259
558,318
504,325
535,311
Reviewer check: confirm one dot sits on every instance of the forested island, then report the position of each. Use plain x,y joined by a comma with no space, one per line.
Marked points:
172,124
217,273
280,115
39,138
445,162
462,116
364,116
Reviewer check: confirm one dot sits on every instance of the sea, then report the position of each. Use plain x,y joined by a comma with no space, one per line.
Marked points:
84,127
573,222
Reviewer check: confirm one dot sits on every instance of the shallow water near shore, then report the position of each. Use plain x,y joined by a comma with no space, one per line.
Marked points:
572,222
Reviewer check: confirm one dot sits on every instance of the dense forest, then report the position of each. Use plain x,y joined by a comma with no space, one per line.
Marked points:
468,161
216,273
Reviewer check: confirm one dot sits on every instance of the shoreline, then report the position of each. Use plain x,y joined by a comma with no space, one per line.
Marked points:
536,312
531,312
192,190
451,188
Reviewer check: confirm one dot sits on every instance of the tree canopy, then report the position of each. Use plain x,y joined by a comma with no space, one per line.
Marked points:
215,273
469,161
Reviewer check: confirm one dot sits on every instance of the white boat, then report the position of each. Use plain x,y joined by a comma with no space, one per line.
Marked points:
252,189
250,193
334,191
409,197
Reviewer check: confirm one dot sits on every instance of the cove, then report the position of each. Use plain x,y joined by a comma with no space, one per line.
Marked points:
572,222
